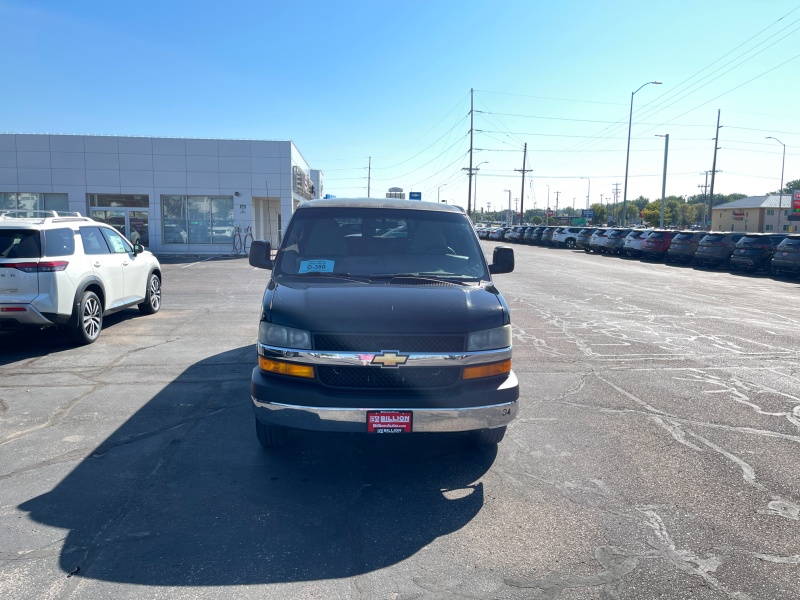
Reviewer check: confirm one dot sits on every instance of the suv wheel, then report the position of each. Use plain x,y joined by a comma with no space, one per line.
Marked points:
152,299
270,436
89,319
570,243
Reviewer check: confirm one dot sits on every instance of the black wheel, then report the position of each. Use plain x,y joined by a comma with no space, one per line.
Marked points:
152,298
488,437
270,436
570,243
88,321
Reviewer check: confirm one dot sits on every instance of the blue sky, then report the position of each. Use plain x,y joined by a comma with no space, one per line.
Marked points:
391,80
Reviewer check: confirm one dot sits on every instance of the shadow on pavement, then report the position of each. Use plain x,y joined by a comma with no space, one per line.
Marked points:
182,494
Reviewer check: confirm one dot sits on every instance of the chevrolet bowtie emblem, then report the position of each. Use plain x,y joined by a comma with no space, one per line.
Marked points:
389,359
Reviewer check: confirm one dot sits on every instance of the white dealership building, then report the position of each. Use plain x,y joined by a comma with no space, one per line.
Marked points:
174,195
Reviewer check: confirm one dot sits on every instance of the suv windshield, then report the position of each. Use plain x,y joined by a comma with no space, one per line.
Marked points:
754,239
379,243
713,238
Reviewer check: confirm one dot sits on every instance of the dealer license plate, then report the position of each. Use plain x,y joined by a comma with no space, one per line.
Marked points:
389,421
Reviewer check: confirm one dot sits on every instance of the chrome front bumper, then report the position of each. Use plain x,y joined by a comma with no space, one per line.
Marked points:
354,420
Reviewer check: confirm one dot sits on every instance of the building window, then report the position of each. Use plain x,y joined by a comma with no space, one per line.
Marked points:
768,228
770,212
197,219
119,200
34,201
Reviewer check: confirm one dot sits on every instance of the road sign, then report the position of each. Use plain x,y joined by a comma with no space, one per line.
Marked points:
587,213
415,195
577,221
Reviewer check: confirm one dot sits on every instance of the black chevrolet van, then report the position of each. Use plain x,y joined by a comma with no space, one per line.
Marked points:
381,316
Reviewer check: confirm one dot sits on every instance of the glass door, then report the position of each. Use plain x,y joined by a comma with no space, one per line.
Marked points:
131,223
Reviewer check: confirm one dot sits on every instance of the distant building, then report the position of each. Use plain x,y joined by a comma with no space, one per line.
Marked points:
755,214
175,195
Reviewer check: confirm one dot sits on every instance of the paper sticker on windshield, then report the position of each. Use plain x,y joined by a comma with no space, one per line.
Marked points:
316,266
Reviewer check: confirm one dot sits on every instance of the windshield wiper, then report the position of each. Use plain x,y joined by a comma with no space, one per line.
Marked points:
332,275
432,276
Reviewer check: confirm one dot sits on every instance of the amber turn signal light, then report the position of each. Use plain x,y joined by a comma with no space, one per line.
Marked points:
500,368
284,368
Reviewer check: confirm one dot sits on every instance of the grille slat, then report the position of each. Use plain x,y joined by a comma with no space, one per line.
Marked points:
410,378
376,343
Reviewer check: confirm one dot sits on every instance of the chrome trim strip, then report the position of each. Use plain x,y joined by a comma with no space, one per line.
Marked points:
355,419
430,359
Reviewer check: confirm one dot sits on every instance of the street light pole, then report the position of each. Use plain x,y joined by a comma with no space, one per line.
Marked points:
476,169
509,207
780,192
664,181
588,192
437,191
628,155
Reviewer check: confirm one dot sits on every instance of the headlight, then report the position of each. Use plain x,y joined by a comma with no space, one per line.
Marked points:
489,339
283,337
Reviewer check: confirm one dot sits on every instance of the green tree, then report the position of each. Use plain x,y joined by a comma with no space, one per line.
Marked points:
791,185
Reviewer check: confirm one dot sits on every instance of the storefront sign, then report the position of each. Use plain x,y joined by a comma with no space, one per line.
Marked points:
302,183
738,215
795,214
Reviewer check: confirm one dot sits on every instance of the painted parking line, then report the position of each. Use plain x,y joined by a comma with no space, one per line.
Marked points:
197,263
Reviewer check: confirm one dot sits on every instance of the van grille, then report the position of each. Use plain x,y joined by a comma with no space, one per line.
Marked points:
408,378
401,343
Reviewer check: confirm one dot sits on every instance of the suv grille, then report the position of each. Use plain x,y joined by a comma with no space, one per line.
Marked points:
409,378
401,343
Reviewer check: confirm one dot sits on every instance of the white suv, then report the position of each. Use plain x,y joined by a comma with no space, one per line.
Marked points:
70,271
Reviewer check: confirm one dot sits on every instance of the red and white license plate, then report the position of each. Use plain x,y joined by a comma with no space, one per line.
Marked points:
389,421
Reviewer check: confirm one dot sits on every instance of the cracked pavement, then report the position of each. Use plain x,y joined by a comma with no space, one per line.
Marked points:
655,455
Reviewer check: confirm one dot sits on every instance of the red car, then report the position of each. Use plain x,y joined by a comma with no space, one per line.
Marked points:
657,244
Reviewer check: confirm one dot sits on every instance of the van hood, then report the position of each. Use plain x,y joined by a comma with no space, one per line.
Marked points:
385,308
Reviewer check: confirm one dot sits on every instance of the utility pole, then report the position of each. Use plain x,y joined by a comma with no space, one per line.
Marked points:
713,172
469,190
616,193
664,180
516,200
523,170
557,193
369,175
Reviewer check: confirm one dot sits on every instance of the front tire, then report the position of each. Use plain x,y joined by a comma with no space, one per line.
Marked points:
270,436
89,321
489,437
152,299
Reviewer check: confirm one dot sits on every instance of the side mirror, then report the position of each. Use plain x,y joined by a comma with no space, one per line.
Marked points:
137,249
502,260
260,255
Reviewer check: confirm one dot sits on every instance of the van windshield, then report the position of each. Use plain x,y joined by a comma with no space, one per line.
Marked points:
379,243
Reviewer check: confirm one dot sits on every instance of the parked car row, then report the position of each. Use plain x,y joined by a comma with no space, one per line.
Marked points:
776,253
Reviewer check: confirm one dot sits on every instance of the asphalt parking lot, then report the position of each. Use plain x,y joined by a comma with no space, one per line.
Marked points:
656,453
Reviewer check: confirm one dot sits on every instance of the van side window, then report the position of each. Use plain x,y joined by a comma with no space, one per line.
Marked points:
59,242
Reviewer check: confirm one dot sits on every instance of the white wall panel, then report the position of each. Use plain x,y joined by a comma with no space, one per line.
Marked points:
266,165
103,144
202,180
99,160
33,160
67,160
135,145
8,160
234,147
8,142
8,177
202,148
66,143
169,146
136,162
103,177
33,143
69,177
169,162
136,178
33,176
170,179
234,164
265,149
202,164
237,181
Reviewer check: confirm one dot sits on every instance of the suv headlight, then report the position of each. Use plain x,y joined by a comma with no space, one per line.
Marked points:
283,337
489,339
